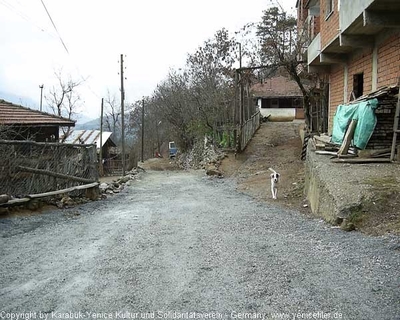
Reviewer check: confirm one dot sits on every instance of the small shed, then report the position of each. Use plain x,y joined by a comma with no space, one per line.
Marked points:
280,98
21,123
92,137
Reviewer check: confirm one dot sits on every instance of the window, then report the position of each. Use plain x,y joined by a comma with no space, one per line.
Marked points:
358,85
274,103
296,103
328,8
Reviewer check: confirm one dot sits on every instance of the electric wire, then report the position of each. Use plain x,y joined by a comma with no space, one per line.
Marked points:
55,28
24,16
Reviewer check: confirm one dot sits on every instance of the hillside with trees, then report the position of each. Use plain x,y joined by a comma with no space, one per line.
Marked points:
210,96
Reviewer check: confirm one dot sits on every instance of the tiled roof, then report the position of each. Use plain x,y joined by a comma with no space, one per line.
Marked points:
88,137
12,114
276,87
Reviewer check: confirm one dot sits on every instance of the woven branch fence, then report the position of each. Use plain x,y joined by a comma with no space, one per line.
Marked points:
248,130
28,167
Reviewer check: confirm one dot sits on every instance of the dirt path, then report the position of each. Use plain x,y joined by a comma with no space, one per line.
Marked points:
276,145
177,242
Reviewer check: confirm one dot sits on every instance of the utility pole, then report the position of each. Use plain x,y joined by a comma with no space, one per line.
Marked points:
101,139
241,86
122,115
142,129
41,95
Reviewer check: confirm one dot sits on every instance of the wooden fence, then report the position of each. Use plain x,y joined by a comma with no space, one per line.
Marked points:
247,131
28,167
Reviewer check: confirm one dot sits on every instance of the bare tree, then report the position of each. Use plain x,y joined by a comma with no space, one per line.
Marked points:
63,99
112,115
282,45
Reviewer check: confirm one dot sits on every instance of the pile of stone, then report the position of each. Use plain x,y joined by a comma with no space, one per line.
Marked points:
203,155
105,189
118,185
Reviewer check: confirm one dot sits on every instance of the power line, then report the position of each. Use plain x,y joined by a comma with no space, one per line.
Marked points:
24,16
54,25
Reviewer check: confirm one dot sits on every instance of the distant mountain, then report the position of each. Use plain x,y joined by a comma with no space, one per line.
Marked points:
88,125
20,100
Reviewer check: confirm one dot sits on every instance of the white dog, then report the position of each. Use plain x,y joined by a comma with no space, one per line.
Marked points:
274,183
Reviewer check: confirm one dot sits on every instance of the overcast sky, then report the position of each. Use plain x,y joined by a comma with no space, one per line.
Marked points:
155,36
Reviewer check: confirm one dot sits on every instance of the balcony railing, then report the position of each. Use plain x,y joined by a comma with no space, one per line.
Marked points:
314,49
350,11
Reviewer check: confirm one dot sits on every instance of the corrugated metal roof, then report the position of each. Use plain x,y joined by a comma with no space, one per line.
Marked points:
87,137
12,114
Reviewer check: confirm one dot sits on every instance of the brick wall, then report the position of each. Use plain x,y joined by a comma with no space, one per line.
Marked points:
328,26
389,61
336,87
316,26
302,14
360,63
388,71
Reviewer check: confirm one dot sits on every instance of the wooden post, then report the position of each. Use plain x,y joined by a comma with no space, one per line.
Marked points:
55,174
101,169
122,115
347,138
395,126
242,117
142,153
235,104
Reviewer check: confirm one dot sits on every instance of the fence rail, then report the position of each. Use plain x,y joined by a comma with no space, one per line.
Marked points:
247,131
28,167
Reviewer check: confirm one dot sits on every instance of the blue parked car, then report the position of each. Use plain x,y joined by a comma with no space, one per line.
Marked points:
172,150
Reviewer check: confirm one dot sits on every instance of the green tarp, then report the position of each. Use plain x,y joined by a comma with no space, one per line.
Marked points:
364,113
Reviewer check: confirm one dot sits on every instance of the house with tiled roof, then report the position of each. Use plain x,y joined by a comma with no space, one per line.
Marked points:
279,98
21,123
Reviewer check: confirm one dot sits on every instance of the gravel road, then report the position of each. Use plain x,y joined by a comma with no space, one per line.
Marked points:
176,245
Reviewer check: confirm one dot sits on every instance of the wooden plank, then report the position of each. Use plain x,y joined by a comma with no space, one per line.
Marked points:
53,193
361,160
54,174
347,138
381,155
15,201
345,156
323,152
48,194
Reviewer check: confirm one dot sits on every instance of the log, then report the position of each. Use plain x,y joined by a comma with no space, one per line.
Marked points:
345,156
53,193
54,174
4,198
347,138
379,152
331,153
49,194
15,201
361,160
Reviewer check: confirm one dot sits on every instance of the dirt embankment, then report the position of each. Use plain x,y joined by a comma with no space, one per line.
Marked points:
275,145
278,145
